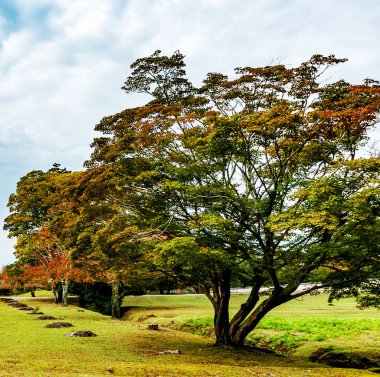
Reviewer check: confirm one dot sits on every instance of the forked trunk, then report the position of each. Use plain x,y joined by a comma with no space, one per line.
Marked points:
246,319
240,333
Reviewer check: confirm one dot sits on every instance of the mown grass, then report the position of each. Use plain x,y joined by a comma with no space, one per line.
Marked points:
127,348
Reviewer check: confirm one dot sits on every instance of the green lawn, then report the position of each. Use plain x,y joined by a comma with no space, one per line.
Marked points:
38,293
127,348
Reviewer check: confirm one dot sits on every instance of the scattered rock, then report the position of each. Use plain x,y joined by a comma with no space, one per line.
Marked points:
170,352
35,312
17,305
82,333
152,326
45,317
5,299
341,359
80,310
58,325
26,308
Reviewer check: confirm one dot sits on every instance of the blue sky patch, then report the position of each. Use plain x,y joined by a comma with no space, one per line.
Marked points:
10,14
15,18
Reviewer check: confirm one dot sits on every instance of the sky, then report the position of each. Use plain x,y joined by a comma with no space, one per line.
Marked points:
63,62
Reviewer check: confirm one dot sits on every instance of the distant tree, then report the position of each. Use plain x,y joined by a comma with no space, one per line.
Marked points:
11,278
40,216
261,178
6,283
52,264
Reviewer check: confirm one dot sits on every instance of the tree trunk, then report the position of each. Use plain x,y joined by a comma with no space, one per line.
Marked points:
115,301
65,292
33,292
221,300
55,294
60,293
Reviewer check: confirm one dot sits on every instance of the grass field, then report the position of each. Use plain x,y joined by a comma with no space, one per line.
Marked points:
38,293
127,348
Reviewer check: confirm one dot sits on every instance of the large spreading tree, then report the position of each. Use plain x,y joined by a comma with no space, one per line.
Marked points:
262,179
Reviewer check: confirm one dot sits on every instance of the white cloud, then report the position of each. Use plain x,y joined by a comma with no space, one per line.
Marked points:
63,62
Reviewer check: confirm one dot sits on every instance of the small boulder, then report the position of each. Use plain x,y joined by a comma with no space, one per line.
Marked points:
152,326
45,317
170,352
17,305
58,325
5,299
81,333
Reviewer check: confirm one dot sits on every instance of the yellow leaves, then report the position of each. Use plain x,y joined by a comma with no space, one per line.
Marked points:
176,185
319,220
187,258
210,221
176,252
371,164
147,175
365,204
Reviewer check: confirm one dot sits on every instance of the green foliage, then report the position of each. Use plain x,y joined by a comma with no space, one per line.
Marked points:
5,291
95,297
98,296
367,294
